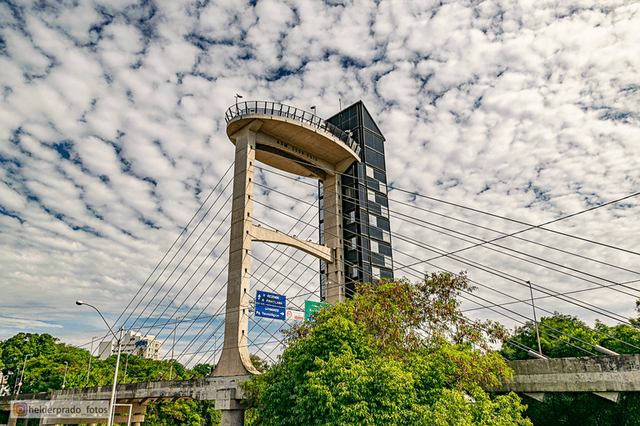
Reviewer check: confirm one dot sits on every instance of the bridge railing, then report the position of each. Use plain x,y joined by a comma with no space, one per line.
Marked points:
275,108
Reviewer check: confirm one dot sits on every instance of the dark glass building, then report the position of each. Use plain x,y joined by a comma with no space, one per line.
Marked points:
365,206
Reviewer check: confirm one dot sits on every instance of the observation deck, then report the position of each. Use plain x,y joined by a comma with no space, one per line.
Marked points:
296,141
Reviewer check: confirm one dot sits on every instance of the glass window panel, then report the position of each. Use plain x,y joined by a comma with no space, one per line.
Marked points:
381,199
378,145
372,183
377,259
368,122
377,233
374,158
368,140
361,170
380,176
375,208
386,274
363,193
383,223
384,249
349,193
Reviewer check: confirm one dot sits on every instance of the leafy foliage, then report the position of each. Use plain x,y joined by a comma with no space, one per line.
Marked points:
398,353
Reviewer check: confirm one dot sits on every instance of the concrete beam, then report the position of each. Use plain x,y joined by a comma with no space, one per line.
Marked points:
619,373
268,236
142,393
78,421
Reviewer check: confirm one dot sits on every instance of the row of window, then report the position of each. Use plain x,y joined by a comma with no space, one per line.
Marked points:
367,273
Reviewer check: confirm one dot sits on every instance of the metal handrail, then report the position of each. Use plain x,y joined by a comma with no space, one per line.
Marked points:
275,108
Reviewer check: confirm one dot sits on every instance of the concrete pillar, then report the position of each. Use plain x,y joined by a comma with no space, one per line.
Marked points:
234,360
334,279
232,418
12,421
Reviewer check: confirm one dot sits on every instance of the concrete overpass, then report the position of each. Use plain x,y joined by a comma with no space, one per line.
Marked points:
605,376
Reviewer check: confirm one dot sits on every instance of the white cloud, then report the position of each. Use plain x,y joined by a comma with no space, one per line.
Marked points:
112,134
26,324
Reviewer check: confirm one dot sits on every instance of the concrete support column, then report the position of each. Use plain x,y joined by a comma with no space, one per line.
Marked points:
234,360
232,418
334,279
229,402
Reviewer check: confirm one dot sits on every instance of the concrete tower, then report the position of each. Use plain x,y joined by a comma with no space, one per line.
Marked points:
298,142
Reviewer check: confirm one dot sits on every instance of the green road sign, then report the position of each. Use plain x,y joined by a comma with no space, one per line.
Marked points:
310,307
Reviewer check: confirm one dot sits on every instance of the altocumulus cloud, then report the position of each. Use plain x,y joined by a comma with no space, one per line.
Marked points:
112,132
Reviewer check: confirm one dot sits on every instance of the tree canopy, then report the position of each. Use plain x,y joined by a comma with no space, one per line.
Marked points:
397,353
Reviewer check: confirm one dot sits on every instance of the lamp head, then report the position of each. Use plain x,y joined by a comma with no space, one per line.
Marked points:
79,302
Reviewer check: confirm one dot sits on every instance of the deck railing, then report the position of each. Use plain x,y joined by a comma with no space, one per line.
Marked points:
275,108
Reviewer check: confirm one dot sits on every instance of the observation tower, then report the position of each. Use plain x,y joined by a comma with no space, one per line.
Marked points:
301,143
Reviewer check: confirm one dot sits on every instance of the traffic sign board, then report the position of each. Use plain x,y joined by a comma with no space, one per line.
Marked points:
295,315
271,299
310,307
272,312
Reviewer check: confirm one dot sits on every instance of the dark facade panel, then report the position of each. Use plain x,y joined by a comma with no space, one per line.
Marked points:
365,206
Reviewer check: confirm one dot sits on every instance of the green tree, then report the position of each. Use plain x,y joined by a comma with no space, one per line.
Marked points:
398,353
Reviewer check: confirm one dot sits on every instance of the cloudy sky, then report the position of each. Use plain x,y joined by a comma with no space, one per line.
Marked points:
112,135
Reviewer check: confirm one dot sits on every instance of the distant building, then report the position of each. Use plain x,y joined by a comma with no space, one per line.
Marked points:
132,343
4,389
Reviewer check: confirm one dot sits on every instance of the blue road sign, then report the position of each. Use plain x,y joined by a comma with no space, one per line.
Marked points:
270,312
271,299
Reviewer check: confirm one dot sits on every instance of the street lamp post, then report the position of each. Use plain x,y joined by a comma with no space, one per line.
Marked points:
173,347
126,365
64,380
112,402
90,356
22,374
